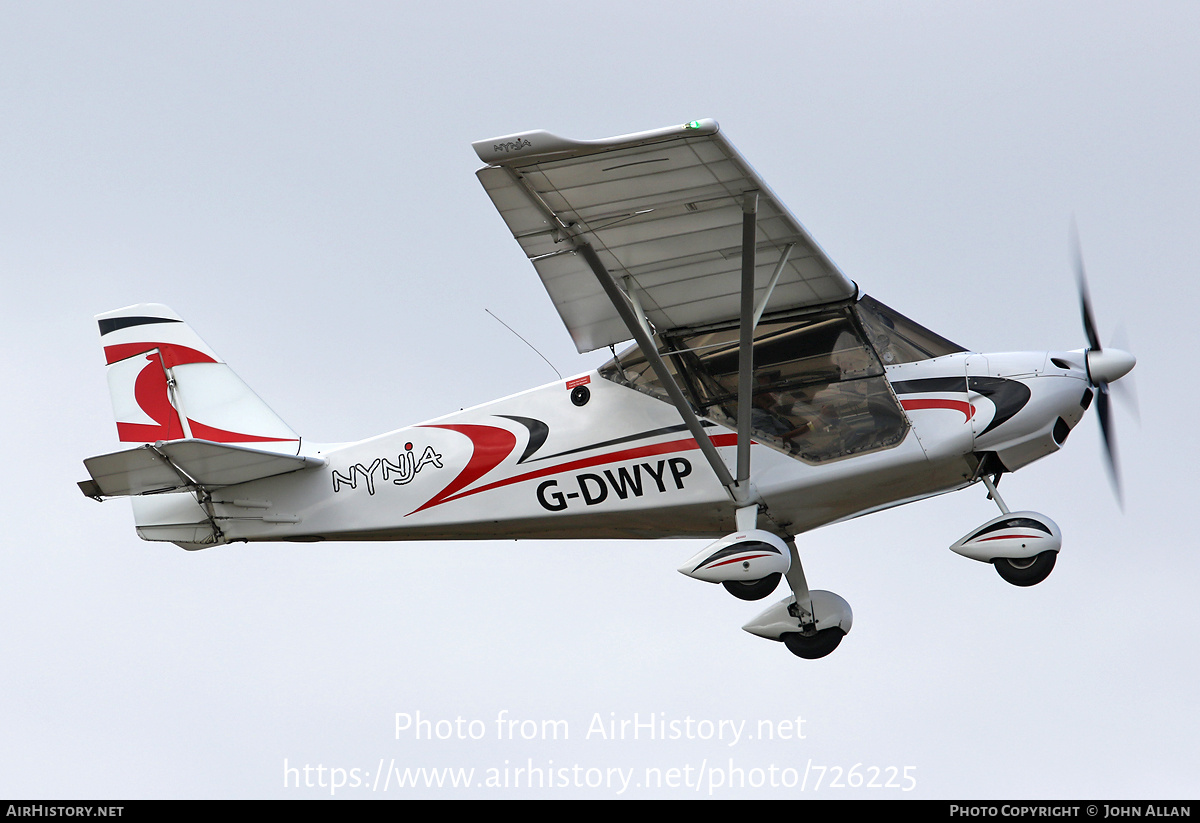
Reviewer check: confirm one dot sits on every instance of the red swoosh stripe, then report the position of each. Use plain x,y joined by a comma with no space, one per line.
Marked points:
175,355
1014,537
150,392
490,446
738,559
203,432
447,495
963,406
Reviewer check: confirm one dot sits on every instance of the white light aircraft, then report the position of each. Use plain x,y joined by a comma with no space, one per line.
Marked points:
764,396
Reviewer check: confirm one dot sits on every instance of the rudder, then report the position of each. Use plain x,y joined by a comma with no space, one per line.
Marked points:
167,384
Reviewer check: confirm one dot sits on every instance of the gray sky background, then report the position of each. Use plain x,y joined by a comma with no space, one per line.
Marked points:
296,179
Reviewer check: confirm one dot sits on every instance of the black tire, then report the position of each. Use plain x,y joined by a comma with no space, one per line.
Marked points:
1026,571
813,646
753,589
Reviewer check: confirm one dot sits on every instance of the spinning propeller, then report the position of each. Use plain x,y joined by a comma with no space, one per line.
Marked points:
1104,366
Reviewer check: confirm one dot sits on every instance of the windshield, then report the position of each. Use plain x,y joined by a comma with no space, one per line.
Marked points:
898,339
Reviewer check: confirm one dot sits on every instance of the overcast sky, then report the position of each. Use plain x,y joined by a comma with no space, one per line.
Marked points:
296,180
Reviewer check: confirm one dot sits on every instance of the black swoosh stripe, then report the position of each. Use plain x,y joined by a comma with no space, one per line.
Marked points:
930,384
111,324
538,432
629,438
1009,396
1012,523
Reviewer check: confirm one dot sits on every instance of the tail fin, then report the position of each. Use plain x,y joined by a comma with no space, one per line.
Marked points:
167,384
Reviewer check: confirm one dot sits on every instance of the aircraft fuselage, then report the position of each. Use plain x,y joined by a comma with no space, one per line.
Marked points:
613,462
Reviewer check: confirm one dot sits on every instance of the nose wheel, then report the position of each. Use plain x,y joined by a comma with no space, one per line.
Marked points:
1023,546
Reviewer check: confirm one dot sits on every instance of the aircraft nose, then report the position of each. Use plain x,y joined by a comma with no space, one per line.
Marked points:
1109,365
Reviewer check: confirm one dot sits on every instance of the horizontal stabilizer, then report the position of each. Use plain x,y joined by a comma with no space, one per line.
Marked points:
181,465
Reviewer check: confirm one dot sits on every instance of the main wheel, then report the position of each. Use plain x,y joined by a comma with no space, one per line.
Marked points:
753,589
1026,571
812,646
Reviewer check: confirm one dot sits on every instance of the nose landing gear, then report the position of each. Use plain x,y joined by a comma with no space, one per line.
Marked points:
1023,546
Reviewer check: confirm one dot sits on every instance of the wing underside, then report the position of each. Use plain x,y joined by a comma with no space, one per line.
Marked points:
663,211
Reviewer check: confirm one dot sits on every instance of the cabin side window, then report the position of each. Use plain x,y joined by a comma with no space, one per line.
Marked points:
820,393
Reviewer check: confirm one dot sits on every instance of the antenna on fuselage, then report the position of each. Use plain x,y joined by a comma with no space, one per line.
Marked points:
526,342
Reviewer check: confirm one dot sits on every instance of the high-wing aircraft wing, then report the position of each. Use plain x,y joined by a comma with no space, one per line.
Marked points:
663,211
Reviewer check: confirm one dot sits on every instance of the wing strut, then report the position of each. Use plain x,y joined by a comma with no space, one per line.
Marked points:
637,328
203,495
746,344
635,321
762,303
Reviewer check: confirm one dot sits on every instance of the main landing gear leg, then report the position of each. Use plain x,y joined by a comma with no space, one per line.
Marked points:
810,623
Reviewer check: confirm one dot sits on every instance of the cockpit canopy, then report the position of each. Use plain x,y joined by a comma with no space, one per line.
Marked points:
820,393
